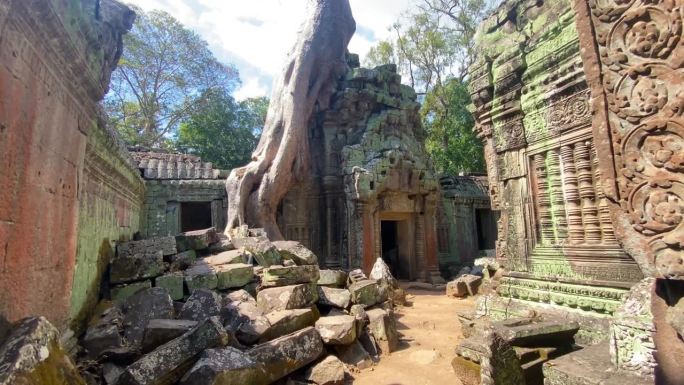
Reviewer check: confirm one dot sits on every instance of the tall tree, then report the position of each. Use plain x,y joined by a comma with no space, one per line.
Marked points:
223,131
306,83
451,141
163,72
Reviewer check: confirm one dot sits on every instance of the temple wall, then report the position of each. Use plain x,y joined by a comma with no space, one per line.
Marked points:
532,108
56,58
462,217
163,198
110,201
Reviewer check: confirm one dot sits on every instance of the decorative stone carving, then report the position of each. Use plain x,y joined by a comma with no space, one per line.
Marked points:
639,56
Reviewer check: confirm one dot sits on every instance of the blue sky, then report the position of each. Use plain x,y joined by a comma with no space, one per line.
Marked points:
255,35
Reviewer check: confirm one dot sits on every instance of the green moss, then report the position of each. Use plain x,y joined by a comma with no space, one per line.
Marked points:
108,214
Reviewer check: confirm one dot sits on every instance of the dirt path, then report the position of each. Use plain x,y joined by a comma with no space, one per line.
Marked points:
430,332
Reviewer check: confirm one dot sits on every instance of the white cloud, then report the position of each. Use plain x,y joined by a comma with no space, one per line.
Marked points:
256,35
251,87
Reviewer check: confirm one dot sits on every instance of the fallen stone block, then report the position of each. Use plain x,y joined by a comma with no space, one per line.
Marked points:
221,246
369,344
135,267
286,354
105,333
331,296
456,288
287,321
334,278
364,292
119,293
142,307
161,331
111,372
167,245
233,275
31,354
329,371
246,320
202,304
241,296
296,252
382,274
196,240
166,364
227,366
173,283
384,329
278,275
357,275
287,297
354,354
261,249
472,283
200,276
529,332
226,257
261,365
182,261
337,330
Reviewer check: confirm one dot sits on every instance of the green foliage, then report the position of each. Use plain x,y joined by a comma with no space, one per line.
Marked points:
223,131
163,73
451,142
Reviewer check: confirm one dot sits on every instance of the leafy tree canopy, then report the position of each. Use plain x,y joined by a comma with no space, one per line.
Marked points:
223,131
451,141
161,78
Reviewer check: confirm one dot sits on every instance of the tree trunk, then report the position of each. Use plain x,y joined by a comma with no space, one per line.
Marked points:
282,156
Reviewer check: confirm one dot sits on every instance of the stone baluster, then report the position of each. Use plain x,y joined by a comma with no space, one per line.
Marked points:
572,198
560,221
544,202
592,231
605,220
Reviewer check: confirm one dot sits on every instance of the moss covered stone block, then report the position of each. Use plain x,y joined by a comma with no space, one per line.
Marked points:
121,292
173,282
233,275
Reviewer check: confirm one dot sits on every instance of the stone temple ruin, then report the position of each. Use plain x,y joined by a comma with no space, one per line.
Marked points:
580,217
579,107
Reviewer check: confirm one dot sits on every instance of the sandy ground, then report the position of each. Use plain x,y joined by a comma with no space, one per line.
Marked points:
429,333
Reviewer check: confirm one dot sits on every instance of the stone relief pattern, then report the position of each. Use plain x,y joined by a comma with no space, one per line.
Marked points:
641,50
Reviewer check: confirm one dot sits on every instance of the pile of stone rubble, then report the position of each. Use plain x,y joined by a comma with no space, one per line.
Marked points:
469,281
200,309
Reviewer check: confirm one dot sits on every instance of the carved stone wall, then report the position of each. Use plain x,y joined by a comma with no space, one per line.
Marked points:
532,109
466,227
633,59
55,61
371,166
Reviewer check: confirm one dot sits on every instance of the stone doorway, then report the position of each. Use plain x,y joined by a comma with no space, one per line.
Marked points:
396,247
195,216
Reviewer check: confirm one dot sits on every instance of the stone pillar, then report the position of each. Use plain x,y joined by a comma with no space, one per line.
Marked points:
367,233
428,222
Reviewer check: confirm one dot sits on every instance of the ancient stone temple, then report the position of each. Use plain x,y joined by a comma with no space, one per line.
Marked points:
579,106
182,193
466,224
372,192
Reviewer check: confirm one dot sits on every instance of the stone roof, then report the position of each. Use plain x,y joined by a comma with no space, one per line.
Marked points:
168,165
465,186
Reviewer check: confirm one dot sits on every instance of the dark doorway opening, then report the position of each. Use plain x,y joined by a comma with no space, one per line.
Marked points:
390,246
486,228
195,216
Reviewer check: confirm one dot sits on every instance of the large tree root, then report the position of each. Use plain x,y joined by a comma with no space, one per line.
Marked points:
307,82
